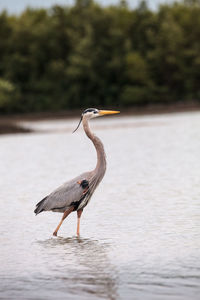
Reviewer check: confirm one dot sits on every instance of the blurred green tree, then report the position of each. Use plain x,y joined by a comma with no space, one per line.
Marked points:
89,55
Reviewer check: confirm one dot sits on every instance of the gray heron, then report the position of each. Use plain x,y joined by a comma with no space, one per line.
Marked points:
75,194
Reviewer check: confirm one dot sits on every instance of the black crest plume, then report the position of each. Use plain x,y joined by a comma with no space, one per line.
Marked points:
78,124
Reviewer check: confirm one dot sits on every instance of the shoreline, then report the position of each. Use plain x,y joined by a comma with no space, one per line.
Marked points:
9,123
11,127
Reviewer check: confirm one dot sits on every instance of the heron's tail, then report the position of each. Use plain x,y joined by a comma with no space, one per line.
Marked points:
40,206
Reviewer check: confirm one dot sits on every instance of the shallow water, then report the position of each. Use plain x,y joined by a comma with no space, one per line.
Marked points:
140,234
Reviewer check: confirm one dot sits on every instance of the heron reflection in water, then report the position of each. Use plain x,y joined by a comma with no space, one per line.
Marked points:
75,194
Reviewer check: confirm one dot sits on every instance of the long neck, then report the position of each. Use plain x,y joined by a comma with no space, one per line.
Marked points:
101,156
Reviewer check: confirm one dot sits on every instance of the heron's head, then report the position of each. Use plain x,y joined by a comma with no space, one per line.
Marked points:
90,113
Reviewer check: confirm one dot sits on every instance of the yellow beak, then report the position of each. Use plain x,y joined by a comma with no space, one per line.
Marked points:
108,112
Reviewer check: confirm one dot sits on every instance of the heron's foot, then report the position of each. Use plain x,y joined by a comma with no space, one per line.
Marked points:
55,233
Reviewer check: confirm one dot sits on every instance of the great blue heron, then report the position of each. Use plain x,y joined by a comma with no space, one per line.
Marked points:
75,194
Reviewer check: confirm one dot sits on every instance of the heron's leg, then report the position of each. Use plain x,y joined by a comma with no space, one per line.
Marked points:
79,213
66,213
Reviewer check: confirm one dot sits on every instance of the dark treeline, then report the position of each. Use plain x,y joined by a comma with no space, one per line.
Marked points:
89,55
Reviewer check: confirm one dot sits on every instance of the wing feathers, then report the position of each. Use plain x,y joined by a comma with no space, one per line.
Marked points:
69,194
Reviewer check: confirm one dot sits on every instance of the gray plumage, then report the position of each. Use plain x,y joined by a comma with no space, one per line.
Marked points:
73,195
69,194
63,197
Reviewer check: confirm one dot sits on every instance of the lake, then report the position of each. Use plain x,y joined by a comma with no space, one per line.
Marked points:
140,233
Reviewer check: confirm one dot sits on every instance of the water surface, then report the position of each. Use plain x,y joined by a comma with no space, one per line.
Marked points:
140,234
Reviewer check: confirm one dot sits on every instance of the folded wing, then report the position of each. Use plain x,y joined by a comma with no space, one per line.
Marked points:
67,195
